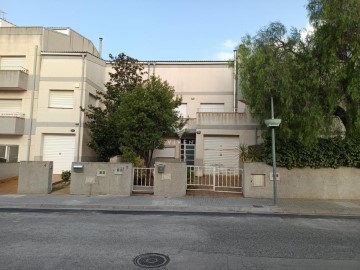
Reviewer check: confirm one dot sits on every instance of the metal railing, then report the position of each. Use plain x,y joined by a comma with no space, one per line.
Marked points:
143,179
211,178
14,68
12,114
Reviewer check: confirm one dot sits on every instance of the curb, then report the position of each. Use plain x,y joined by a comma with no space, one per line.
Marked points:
266,211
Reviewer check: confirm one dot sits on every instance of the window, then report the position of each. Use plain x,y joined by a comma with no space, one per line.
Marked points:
9,153
12,63
182,110
212,107
93,100
61,99
10,106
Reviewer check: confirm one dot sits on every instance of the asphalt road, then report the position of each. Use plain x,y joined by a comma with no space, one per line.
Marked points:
94,240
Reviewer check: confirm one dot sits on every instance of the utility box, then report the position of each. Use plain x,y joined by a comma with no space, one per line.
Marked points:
35,177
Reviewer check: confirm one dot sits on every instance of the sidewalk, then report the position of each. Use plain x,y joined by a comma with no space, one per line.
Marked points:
183,204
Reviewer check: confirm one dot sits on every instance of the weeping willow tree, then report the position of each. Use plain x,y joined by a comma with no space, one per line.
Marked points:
314,79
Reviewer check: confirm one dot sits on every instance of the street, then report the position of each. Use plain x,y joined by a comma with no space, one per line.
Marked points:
100,240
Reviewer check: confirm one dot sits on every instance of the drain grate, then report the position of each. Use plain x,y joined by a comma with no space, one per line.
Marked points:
151,260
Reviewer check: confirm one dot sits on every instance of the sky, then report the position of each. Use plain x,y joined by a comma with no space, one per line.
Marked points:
160,29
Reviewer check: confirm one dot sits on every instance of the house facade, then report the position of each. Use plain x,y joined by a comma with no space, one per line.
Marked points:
46,75
217,121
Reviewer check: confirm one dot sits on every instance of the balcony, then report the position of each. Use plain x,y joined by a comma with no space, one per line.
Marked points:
13,80
205,119
12,123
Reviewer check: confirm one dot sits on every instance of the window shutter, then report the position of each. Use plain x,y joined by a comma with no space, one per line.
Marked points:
182,109
12,63
212,107
61,99
10,105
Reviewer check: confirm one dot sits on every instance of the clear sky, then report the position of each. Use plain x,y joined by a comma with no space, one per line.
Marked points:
160,29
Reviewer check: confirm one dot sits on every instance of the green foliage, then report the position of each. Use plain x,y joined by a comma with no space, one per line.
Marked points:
252,153
136,115
65,175
146,115
326,153
102,121
313,80
2,160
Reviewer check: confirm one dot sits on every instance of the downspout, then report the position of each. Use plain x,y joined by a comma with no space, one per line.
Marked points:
148,70
81,106
154,65
32,104
235,80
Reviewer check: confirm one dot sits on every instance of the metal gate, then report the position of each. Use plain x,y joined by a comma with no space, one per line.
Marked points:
217,179
143,180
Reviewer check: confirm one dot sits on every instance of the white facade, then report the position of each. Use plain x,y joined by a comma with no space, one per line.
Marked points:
46,74
208,99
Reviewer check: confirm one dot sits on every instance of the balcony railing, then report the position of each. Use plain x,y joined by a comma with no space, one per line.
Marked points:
12,114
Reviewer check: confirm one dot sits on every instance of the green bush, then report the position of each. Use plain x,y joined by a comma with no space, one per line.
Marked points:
2,160
326,153
65,176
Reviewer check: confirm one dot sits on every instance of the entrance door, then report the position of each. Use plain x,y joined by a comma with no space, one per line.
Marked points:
61,150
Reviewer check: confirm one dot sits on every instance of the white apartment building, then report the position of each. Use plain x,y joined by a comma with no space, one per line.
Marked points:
47,74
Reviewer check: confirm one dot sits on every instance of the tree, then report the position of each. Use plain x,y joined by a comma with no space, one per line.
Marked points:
312,79
336,46
102,121
146,115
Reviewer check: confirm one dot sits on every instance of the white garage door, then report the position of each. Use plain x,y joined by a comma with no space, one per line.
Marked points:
61,150
221,151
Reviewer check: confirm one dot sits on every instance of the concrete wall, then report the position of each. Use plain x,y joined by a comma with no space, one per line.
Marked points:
341,183
9,170
171,183
116,179
35,177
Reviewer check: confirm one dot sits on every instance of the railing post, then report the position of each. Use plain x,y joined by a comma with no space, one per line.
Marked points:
214,178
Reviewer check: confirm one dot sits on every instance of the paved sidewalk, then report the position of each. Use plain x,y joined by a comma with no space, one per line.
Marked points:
183,204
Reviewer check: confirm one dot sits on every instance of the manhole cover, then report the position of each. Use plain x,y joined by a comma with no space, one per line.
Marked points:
151,260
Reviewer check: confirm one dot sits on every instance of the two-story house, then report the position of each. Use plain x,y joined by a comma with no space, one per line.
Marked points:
218,122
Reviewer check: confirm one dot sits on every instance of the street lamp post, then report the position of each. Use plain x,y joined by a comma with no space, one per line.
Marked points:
272,123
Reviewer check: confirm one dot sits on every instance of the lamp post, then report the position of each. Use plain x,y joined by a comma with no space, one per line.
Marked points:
273,123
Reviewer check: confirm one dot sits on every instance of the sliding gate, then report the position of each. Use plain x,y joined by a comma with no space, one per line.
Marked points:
217,179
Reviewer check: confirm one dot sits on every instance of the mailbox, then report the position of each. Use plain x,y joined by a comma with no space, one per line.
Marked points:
161,168
78,166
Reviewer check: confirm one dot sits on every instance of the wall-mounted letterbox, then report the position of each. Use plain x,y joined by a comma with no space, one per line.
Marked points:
161,168
78,166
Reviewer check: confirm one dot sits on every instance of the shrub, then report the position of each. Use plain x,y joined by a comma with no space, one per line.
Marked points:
65,175
326,153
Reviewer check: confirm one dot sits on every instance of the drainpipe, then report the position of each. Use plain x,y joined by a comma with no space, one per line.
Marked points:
81,105
32,104
148,70
154,65
235,80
